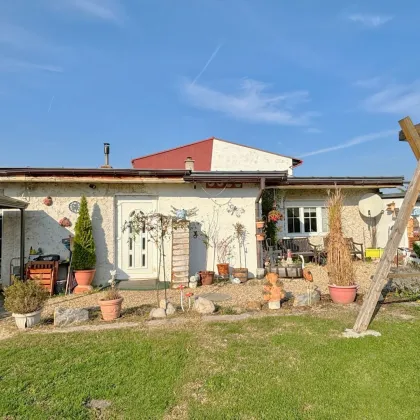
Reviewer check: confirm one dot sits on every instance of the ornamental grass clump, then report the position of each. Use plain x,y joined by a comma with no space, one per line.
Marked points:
339,261
84,257
24,297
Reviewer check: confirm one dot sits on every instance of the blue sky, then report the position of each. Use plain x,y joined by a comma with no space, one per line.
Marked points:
323,80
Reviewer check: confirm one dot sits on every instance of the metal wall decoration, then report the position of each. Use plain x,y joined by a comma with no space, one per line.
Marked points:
235,210
74,206
223,185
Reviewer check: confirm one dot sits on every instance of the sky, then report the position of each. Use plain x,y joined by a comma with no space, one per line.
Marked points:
326,81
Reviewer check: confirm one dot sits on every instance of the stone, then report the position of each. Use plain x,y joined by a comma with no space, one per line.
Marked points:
307,299
157,313
253,305
216,297
349,333
204,306
410,285
70,316
170,309
274,304
163,303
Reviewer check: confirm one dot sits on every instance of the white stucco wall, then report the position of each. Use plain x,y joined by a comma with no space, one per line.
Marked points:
232,157
43,230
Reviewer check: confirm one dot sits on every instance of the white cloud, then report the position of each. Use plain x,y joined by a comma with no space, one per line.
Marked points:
11,65
399,99
251,103
313,130
371,83
372,21
107,10
353,142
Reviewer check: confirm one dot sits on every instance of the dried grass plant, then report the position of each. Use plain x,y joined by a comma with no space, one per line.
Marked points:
339,260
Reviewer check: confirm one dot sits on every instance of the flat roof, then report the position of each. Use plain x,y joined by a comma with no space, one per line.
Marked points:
8,203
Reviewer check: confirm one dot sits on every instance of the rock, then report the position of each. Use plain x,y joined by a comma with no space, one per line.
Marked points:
204,306
65,316
170,309
163,303
410,285
253,305
157,313
307,299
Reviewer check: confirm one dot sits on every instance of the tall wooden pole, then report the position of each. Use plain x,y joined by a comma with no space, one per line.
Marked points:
365,315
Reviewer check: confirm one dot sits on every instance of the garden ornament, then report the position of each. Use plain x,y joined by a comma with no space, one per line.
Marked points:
273,291
189,295
181,287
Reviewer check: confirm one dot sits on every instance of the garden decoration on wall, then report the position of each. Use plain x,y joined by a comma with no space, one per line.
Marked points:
74,207
235,210
159,228
48,201
273,291
65,222
240,234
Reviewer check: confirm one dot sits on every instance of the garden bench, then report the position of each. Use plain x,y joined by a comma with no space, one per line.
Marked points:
356,249
297,246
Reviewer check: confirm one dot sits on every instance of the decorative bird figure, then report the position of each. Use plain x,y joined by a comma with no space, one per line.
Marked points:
307,275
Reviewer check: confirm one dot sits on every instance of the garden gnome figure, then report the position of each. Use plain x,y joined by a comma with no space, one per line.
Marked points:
273,291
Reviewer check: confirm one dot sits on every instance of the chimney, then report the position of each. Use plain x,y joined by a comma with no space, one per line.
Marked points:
189,164
106,153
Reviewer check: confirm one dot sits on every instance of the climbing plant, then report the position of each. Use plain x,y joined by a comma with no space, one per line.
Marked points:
268,199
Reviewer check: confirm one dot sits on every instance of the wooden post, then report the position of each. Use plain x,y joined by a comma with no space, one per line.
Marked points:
365,315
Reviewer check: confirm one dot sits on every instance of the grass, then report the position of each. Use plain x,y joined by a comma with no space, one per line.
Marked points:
295,367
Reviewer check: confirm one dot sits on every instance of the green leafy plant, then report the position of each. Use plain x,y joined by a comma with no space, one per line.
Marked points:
84,257
416,248
24,297
339,263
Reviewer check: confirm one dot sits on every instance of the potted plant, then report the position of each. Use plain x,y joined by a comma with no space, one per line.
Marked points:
339,260
83,257
206,276
111,303
25,300
260,223
240,234
224,253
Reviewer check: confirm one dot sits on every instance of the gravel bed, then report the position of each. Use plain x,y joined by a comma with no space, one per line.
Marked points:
240,293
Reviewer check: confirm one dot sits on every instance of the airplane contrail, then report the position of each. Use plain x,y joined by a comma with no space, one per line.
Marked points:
207,64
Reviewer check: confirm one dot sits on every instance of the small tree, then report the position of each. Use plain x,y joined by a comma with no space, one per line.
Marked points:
84,257
240,234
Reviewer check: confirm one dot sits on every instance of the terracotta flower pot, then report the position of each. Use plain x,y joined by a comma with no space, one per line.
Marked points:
24,321
111,309
260,236
260,224
241,274
343,294
207,277
84,280
223,269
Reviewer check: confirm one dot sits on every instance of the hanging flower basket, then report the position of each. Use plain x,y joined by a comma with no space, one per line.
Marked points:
275,216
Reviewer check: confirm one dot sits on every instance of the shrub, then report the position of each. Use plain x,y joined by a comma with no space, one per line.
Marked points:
339,262
416,248
24,297
84,257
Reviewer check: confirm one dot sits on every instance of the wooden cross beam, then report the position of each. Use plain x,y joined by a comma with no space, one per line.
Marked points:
380,277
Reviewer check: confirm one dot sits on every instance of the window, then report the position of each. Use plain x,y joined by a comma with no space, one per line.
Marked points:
306,220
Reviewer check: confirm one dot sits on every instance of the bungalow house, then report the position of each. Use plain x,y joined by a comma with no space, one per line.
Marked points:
217,182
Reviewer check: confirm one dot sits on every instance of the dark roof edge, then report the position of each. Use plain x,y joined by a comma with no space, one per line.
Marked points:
12,203
90,172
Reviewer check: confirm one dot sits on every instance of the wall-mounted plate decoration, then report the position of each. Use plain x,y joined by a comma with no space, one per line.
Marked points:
74,206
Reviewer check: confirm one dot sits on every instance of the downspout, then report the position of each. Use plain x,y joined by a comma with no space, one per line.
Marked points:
257,214
22,244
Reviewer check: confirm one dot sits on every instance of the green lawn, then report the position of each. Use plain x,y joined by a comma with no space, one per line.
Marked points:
270,368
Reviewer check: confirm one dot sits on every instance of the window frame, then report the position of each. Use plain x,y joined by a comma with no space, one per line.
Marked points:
301,205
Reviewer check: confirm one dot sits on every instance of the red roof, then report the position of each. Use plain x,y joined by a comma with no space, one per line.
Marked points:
201,151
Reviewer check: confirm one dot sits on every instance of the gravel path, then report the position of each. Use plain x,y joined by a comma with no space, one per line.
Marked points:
240,293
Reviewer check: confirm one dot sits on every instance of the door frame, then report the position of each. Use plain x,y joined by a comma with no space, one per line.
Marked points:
117,239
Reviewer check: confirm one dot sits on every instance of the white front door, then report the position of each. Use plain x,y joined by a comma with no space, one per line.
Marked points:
137,255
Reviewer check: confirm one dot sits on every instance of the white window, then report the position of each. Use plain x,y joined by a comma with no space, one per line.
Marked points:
306,219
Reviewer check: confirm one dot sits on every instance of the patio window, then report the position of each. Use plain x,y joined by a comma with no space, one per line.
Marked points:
306,220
